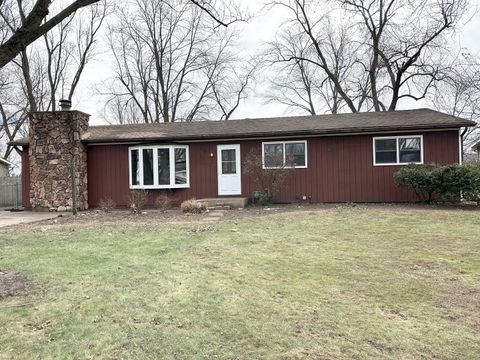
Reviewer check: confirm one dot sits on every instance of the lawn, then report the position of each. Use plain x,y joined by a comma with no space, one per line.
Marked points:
315,283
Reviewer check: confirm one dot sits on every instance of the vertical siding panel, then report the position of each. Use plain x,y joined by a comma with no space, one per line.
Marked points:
26,178
327,167
315,168
343,196
334,161
347,176
331,169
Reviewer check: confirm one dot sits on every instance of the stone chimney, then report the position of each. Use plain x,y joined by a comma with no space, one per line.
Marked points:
55,145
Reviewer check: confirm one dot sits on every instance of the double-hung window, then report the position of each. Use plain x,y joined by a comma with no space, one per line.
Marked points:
159,167
398,150
284,154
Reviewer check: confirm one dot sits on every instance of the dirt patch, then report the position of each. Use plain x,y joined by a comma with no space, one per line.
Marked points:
461,305
424,266
463,298
12,283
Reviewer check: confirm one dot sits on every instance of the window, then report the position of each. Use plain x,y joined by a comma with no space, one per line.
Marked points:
180,166
398,150
292,154
134,167
159,167
229,161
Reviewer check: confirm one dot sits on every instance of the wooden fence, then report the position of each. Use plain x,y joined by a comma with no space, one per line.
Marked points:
11,191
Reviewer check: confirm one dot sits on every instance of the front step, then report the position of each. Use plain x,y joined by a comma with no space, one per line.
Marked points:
225,203
219,207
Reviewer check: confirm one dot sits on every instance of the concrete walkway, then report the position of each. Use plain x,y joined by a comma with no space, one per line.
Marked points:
9,218
213,216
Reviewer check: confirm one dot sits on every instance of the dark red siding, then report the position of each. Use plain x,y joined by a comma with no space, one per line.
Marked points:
25,178
340,169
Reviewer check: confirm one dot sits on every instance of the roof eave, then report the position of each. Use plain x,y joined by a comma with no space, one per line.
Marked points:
375,129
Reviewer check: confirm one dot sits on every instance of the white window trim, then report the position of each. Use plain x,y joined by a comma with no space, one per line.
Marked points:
397,142
155,148
284,154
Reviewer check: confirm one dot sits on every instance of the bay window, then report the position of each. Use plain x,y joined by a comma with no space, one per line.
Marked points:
159,167
398,150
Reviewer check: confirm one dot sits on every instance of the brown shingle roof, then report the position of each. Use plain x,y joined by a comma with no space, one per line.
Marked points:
274,127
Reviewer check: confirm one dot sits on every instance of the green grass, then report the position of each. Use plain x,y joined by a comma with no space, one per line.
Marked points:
350,283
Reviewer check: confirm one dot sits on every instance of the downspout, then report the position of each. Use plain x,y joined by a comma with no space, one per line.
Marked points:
460,144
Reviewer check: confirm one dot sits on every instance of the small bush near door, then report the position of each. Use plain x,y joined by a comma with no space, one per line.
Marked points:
106,204
193,206
137,200
268,181
163,203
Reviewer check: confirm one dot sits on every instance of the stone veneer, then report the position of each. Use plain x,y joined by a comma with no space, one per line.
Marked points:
55,139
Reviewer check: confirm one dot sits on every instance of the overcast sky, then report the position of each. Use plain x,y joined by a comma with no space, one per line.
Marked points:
261,28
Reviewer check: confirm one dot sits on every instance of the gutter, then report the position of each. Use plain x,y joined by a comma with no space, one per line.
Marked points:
268,136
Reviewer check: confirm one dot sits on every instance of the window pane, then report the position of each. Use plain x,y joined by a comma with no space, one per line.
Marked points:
135,167
164,166
295,154
180,166
386,157
229,167
228,155
385,144
147,166
273,156
229,164
385,151
410,150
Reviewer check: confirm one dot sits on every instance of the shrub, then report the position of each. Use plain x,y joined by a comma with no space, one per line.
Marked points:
193,206
445,183
472,192
106,204
265,198
137,200
162,202
419,178
268,181
451,180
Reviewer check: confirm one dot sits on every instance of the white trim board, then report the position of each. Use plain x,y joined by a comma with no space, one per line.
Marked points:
397,138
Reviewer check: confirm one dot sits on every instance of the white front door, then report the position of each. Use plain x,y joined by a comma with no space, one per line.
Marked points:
229,172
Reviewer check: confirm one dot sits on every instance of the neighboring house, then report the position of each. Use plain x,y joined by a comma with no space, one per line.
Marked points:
5,167
336,158
476,148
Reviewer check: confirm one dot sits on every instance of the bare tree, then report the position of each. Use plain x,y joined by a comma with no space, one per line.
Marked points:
45,70
170,63
230,86
459,94
398,42
68,49
299,84
34,25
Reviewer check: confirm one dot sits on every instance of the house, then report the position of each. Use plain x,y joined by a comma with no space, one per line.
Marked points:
476,149
335,158
5,168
